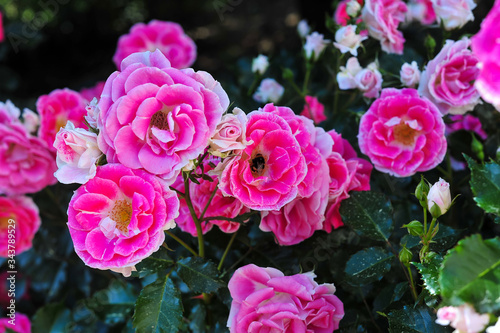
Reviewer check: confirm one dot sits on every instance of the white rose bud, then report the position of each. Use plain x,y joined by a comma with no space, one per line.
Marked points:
92,113
315,44
346,39
269,91
410,74
439,195
353,8
260,64
31,121
303,28
346,77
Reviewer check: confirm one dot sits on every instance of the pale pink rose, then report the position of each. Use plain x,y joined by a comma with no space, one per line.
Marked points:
369,81
264,300
346,39
382,18
341,16
93,112
488,53
267,174
454,13
303,28
402,133
315,44
55,109
448,79
410,74
26,164
346,77
466,122
93,92
156,117
220,205
118,217
269,91
313,109
30,120
168,37
229,134
464,319
421,11
439,195
24,218
22,324
9,112
353,8
77,154
260,64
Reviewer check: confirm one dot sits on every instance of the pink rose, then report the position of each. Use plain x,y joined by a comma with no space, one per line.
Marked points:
402,133
463,318
26,164
55,109
21,214
488,53
346,39
410,74
448,79
93,92
439,195
77,154
369,80
341,16
264,300
382,18
168,37
230,134
422,11
269,91
315,44
454,14
118,217
156,117
267,174
466,122
23,324
31,121
2,36
313,109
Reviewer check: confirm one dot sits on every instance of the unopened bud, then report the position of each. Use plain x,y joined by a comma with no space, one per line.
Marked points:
405,256
422,190
415,228
352,8
439,198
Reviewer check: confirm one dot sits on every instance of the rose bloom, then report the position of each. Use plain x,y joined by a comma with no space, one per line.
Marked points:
410,74
464,319
341,16
421,11
454,14
260,64
23,324
315,44
402,133
30,120
168,37
439,194
156,117
77,154
267,174
369,80
118,217
55,109
313,109
346,40
264,300
269,91
230,134
448,79
348,173
382,18
26,164
93,92
466,122
488,53
303,28
26,218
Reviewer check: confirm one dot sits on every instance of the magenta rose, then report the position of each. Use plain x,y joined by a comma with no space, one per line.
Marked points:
488,53
93,92
264,300
422,11
19,218
341,16
2,36
55,109
402,133
382,18
156,117
168,37
313,109
26,164
23,324
118,217
267,174
466,122
448,79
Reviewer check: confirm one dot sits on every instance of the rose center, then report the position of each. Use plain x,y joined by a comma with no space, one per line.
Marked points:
4,222
121,214
60,122
257,165
404,134
159,120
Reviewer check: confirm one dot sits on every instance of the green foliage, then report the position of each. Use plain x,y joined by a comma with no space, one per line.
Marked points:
52,318
369,214
159,308
471,273
368,266
414,320
485,184
201,275
155,263
430,273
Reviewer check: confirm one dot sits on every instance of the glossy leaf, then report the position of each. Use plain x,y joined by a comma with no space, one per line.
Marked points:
430,273
52,318
368,266
414,320
113,304
485,184
201,275
155,263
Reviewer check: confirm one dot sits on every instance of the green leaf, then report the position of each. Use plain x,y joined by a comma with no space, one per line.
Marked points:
155,263
368,266
411,320
114,304
197,323
158,308
430,274
369,214
444,239
471,273
389,295
201,275
485,184
52,318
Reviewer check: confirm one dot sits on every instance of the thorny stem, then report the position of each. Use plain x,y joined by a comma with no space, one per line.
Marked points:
201,245
180,241
231,241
